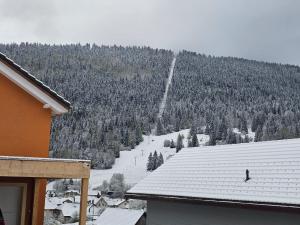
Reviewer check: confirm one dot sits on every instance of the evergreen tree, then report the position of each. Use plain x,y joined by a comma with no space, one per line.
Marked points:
155,160
167,143
247,140
138,135
150,163
212,135
117,185
172,145
258,134
160,129
212,139
231,137
193,130
179,144
160,160
222,130
243,125
195,142
126,138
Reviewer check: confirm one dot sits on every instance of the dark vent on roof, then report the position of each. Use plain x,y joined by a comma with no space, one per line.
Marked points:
247,175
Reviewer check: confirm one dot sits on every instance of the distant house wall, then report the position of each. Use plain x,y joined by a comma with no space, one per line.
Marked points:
55,214
176,213
24,128
142,220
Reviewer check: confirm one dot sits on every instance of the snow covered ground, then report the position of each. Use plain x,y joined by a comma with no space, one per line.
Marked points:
250,134
133,163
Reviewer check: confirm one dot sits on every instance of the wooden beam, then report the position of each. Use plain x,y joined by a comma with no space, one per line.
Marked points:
36,197
83,201
24,202
44,168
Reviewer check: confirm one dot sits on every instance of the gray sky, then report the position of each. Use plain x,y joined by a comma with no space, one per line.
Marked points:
266,30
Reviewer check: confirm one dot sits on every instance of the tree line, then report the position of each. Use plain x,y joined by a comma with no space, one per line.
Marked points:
114,91
217,94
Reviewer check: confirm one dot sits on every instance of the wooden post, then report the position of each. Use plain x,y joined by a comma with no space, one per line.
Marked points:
35,209
83,200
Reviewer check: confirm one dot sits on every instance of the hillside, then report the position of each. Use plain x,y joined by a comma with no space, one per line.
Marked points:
223,93
133,163
116,93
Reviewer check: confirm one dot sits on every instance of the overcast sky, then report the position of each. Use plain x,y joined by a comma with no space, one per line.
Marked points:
266,30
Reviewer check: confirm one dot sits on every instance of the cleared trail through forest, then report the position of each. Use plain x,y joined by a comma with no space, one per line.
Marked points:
164,99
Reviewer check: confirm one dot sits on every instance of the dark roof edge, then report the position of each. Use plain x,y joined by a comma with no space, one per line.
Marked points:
35,81
218,202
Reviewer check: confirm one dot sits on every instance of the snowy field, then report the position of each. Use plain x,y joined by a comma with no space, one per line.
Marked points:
133,163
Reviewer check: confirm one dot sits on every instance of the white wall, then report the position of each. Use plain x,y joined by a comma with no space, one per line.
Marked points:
171,213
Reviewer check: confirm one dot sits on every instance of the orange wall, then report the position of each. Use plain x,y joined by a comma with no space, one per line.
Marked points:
25,124
24,127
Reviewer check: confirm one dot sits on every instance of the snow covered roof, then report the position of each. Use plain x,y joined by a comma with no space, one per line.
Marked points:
218,173
33,86
72,191
49,205
113,201
68,209
116,216
93,192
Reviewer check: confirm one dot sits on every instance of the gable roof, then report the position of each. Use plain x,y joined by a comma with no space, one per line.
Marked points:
33,86
116,216
49,205
217,174
69,209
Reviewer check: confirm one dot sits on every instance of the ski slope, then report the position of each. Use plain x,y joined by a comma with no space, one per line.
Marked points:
133,163
165,96
164,100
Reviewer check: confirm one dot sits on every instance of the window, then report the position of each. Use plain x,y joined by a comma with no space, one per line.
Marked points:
2,222
12,204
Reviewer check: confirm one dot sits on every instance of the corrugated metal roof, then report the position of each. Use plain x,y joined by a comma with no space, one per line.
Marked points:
219,172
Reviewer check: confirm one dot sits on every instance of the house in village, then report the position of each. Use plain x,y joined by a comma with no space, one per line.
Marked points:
69,212
244,184
66,211
105,201
116,216
51,193
71,193
27,108
52,211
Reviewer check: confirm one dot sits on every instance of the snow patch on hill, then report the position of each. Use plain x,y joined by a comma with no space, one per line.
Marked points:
133,163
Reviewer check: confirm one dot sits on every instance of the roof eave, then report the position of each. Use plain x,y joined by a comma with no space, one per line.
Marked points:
55,102
218,202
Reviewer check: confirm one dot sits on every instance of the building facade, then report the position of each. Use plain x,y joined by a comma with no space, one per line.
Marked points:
242,184
27,108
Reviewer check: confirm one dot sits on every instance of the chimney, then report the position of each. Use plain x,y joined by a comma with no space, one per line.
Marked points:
247,175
